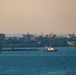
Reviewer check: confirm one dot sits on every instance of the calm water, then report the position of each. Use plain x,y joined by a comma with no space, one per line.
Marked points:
62,62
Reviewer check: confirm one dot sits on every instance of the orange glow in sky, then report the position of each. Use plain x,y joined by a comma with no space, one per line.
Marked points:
36,16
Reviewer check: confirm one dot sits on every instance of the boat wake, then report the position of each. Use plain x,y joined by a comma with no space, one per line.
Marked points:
55,73
69,72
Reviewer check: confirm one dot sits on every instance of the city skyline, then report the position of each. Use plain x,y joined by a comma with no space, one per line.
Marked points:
36,16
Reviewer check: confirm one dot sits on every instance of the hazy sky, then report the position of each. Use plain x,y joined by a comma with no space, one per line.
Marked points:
36,16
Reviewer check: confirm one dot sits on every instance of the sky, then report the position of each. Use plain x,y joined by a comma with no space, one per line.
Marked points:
36,16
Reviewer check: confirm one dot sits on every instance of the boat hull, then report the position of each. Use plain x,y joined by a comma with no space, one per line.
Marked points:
49,50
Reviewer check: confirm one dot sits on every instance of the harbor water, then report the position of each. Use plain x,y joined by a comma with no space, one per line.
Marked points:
62,62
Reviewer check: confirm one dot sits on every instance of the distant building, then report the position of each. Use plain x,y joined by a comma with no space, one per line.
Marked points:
46,35
71,35
28,36
2,37
51,35
71,43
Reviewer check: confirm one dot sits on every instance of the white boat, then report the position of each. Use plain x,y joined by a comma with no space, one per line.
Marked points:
49,49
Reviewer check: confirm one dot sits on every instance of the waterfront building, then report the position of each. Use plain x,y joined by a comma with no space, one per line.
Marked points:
2,37
71,35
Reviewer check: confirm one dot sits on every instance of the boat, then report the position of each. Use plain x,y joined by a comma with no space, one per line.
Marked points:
49,49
